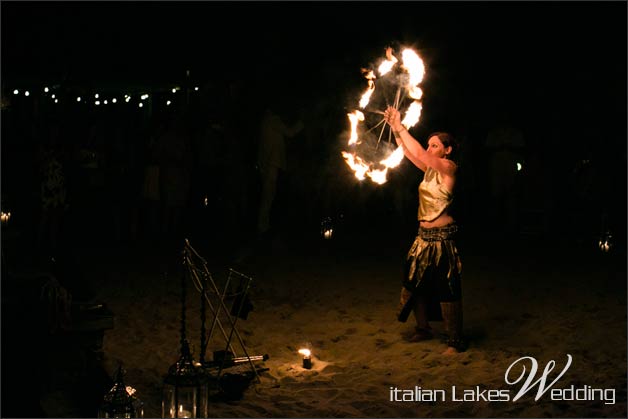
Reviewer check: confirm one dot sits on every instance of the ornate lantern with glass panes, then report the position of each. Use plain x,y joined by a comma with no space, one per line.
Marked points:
185,392
120,401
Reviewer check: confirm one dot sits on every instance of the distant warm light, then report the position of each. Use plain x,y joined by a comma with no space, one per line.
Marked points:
519,166
46,89
196,88
78,99
128,98
53,96
174,90
27,93
141,105
105,102
5,216
144,96
16,92
114,100
168,103
97,102
96,96
56,100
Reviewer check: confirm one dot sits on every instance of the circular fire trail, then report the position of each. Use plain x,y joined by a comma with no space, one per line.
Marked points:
369,156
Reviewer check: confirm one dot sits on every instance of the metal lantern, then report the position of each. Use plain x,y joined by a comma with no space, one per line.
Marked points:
605,243
185,392
120,401
327,228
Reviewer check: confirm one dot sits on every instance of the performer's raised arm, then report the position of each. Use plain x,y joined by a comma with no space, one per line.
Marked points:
414,151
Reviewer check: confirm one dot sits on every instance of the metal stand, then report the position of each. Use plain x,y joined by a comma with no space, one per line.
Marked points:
211,296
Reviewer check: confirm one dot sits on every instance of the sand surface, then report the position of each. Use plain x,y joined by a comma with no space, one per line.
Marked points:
527,297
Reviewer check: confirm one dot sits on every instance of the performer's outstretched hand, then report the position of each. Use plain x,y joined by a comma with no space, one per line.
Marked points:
393,118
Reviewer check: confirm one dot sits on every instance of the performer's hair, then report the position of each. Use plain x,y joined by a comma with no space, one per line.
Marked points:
448,140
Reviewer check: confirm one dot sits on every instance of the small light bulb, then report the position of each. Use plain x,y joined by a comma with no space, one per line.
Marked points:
127,99
168,103
519,167
105,102
27,93
114,100
141,105
16,92
56,100
78,99
96,96
97,102
196,88
46,89
53,96
174,90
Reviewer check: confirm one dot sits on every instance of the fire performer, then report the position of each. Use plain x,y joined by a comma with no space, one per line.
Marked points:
433,266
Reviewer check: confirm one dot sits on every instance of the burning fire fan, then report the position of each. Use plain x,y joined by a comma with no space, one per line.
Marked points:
395,83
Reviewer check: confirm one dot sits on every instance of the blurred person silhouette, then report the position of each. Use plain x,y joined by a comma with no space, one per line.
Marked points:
505,146
173,154
272,159
53,189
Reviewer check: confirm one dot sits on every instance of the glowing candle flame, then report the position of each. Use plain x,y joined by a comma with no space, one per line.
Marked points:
354,118
305,352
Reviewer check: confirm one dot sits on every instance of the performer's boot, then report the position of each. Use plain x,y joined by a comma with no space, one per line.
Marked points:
452,316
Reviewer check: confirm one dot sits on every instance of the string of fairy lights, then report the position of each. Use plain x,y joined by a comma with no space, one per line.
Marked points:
98,99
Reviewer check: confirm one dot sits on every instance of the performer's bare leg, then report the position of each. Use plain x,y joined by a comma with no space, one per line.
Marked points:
420,313
452,316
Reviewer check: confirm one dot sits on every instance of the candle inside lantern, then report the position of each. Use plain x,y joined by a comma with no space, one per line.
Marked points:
605,244
184,413
307,358
4,217
327,229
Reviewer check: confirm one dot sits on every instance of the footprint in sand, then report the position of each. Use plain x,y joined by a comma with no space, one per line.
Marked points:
382,344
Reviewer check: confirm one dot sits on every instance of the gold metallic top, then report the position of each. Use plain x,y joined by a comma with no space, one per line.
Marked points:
434,198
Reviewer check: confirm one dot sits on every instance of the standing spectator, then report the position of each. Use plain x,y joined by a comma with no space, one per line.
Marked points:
271,160
505,146
52,191
173,154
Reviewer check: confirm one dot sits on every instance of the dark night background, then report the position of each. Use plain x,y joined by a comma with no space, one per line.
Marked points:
556,71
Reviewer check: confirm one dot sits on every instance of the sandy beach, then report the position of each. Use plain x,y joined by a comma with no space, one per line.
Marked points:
528,298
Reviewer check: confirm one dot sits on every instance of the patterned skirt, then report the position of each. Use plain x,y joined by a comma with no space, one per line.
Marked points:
432,271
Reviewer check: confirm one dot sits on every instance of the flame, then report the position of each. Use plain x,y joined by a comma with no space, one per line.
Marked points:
367,95
370,76
414,64
356,164
394,159
412,114
378,176
305,352
388,63
354,118
415,92
414,67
